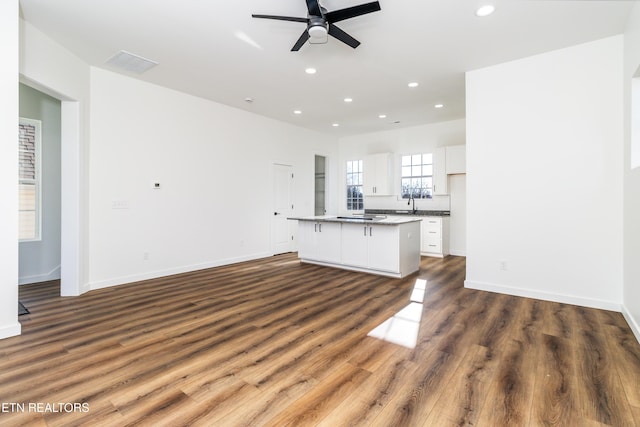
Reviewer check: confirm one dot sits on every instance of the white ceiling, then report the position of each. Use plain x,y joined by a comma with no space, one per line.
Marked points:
200,51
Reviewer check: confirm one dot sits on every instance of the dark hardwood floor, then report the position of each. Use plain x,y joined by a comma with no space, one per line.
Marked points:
276,343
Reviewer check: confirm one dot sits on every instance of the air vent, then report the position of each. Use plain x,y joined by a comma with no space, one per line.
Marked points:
130,62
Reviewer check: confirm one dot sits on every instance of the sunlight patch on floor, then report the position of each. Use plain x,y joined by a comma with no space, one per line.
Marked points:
402,328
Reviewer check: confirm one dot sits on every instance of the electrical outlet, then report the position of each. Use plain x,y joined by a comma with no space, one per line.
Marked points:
503,265
145,256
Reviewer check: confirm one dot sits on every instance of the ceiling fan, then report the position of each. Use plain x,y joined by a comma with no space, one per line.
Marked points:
320,22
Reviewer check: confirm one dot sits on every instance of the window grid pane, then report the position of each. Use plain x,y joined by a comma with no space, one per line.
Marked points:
417,176
355,197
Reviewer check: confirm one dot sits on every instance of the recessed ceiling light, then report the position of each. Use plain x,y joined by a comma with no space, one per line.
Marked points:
248,100
310,70
485,10
335,125
348,100
297,112
382,116
413,84
438,106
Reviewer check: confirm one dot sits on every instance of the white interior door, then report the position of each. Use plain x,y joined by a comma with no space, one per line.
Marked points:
281,235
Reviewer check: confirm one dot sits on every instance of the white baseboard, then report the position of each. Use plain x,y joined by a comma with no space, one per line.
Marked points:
10,330
171,271
633,324
456,252
546,296
52,275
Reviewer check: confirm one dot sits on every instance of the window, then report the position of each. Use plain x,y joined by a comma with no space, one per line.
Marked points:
355,199
417,176
29,179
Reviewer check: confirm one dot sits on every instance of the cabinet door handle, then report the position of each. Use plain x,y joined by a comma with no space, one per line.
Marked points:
370,234
316,227
365,231
320,228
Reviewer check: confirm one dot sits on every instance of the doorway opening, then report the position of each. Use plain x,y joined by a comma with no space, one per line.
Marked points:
73,195
39,258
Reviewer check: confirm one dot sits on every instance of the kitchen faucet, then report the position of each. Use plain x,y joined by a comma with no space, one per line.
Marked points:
411,198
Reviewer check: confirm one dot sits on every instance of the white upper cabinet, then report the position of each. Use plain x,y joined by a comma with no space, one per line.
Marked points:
440,172
378,174
456,159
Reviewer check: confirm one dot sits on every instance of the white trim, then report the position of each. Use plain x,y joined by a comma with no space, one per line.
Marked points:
52,275
456,252
177,270
635,328
360,269
73,281
11,330
546,296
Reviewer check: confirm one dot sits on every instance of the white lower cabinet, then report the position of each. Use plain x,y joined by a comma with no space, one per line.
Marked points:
319,240
389,250
370,246
435,236
355,245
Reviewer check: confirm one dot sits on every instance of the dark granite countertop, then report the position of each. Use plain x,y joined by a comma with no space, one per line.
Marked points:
382,220
405,212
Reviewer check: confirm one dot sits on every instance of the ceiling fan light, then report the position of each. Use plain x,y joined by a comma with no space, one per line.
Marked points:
318,32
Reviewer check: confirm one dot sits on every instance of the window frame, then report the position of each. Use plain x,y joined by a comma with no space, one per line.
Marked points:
36,182
350,201
426,192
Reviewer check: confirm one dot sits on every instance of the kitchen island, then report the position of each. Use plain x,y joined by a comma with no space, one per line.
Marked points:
384,245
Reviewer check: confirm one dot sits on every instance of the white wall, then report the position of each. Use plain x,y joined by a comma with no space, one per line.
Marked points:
544,175
39,260
9,324
214,165
631,308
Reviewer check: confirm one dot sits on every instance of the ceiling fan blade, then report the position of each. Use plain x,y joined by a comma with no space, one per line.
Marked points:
342,36
302,40
314,8
282,18
351,12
